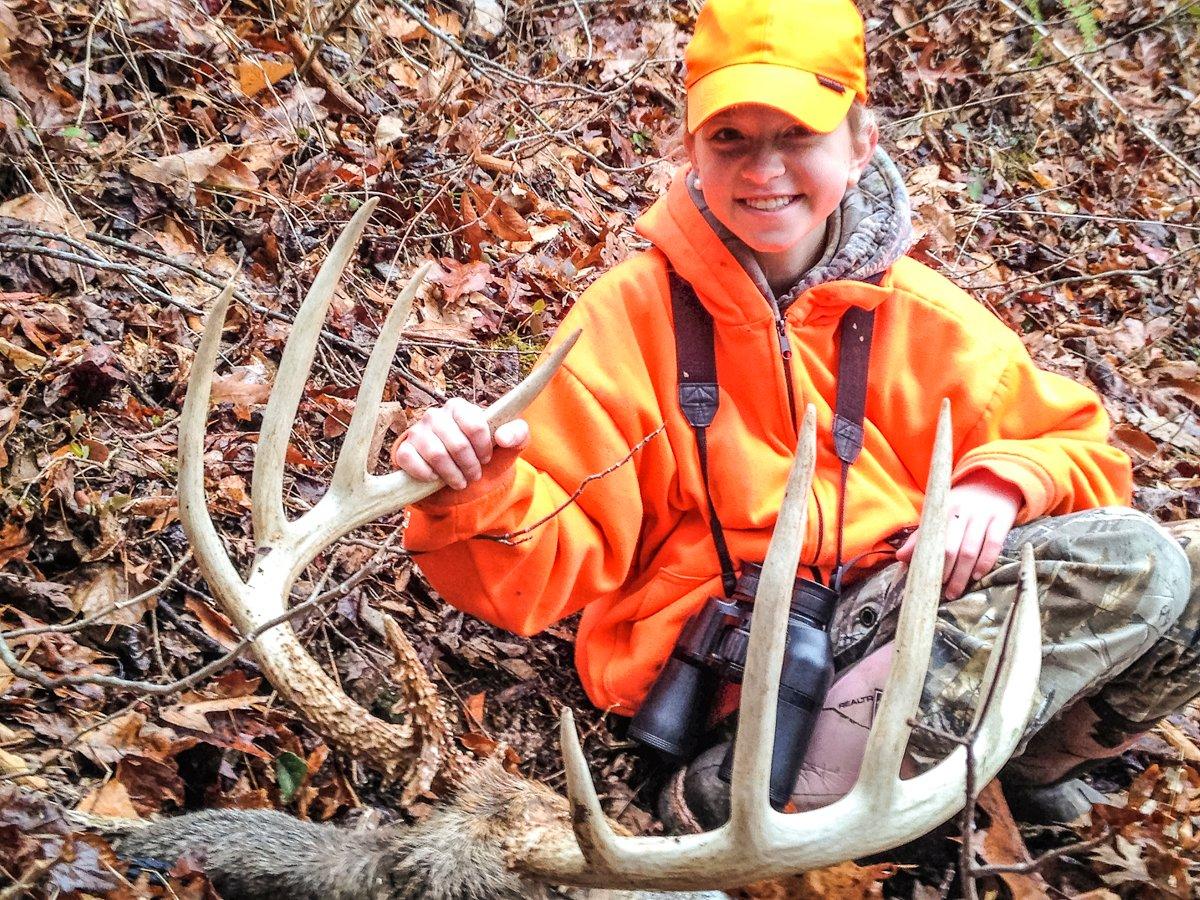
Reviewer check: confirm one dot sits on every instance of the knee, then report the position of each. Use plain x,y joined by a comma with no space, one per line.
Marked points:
1130,559
1154,565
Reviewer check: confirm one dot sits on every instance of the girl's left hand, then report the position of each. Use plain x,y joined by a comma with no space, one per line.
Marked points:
983,508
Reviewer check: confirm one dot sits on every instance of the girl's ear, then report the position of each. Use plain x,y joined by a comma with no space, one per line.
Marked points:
689,146
862,148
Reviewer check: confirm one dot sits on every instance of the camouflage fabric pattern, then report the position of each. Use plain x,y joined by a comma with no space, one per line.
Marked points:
1120,608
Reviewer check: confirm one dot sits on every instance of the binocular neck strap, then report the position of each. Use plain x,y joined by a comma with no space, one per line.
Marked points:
854,362
696,360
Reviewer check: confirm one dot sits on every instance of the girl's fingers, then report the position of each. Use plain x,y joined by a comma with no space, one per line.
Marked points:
472,422
406,458
993,544
512,435
448,450
954,537
967,555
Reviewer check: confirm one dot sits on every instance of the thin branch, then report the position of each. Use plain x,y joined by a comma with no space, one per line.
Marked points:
72,627
1028,868
512,538
9,658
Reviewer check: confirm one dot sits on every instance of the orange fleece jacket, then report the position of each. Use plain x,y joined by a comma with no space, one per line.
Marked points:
633,550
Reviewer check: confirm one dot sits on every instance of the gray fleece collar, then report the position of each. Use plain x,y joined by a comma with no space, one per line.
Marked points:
869,231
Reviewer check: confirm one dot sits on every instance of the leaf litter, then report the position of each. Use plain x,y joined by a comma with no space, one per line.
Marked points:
153,149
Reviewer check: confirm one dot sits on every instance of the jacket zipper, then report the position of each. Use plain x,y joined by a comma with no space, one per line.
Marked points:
785,350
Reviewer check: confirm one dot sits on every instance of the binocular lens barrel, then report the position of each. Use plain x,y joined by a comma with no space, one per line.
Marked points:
673,717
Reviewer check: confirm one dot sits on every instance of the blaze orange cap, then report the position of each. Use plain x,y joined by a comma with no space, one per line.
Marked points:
806,58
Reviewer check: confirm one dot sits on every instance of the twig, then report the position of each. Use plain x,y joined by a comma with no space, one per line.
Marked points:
307,60
72,627
1146,131
137,277
146,687
1028,868
513,538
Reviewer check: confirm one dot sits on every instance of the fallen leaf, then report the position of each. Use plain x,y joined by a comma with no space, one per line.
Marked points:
388,130
255,75
192,715
214,166
215,624
105,588
111,800
1002,846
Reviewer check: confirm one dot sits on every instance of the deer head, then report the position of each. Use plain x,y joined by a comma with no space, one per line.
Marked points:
537,836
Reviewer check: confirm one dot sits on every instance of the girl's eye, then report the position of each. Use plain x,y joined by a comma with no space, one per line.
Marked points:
725,135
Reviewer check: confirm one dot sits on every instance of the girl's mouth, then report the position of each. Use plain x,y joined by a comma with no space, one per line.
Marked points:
768,204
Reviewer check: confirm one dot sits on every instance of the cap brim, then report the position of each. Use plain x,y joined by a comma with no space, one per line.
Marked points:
789,90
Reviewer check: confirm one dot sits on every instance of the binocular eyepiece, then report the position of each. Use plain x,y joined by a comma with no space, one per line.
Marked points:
711,651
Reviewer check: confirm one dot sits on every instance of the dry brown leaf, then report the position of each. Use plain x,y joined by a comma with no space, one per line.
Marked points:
215,624
214,166
15,543
11,765
1002,846
255,75
24,360
111,800
244,386
192,715
105,587
44,211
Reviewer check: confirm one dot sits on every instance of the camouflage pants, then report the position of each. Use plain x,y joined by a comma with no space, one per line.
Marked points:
1120,604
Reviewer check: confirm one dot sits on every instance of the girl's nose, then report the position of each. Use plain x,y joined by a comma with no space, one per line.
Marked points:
765,164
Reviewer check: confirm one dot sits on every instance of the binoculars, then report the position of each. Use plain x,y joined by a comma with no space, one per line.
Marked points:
711,651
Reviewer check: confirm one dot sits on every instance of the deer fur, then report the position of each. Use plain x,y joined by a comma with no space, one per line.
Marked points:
458,853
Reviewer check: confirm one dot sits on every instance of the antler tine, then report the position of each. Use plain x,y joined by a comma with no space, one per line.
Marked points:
1001,715
351,468
914,631
193,510
382,494
595,837
749,794
266,491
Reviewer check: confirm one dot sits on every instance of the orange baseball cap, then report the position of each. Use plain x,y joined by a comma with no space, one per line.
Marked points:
806,58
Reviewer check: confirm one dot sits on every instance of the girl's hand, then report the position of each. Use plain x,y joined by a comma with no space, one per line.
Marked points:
454,443
983,508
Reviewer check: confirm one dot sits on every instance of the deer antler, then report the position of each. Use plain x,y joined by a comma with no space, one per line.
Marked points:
284,547
881,811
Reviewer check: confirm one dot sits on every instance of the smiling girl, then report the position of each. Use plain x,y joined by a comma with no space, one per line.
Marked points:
787,218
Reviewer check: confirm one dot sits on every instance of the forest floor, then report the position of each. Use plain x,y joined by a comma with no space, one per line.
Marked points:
152,149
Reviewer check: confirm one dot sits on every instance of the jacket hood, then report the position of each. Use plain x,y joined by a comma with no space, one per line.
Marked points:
867,233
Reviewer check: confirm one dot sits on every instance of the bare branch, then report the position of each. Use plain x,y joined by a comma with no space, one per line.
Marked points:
148,687
513,538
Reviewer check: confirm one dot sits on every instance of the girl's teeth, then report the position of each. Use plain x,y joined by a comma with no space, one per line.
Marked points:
769,205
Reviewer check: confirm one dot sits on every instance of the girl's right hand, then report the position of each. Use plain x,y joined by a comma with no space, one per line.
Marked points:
454,442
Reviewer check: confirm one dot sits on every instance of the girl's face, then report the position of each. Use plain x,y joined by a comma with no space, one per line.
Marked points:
773,183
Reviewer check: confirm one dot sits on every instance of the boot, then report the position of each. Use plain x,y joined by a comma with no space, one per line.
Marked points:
1060,803
1042,785
695,798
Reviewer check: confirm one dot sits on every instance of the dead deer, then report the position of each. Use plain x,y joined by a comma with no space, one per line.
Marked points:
503,835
